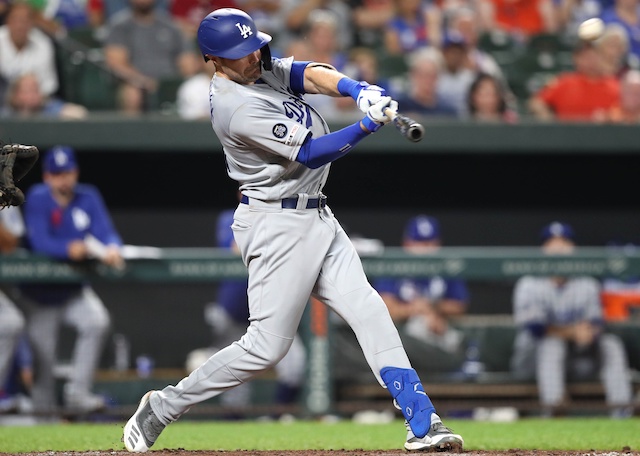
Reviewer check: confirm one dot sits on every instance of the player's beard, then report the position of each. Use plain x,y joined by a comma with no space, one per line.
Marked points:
249,76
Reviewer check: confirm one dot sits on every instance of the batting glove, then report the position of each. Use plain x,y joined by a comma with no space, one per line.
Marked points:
368,96
376,116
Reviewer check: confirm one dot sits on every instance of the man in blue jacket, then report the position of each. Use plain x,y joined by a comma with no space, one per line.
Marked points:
67,220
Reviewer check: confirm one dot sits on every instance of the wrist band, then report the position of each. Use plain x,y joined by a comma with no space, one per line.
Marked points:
349,87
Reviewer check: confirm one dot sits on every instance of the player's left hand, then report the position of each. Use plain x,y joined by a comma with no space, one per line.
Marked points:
376,116
377,111
370,95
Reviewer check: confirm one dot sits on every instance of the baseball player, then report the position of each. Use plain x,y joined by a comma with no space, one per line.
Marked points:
228,318
60,215
11,319
562,334
279,150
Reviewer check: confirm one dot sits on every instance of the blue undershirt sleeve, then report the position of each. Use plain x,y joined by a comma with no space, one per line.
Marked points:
316,152
296,77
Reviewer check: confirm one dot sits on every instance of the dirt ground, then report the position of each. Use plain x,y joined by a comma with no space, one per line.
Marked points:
513,452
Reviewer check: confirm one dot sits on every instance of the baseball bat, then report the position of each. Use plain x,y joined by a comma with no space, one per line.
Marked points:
408,127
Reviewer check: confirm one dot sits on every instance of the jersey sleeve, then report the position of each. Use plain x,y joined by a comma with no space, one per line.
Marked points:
101,225
261,125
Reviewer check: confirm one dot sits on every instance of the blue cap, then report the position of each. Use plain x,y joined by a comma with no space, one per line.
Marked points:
422,228
59,159
557,229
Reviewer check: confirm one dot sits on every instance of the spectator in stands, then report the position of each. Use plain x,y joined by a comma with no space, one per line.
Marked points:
585,94
464,21
455,77
25,49
613,47
319,43
626,13
424,307
421,96
363,65
268,16
561,334
521,19
296,14
370,18
571,13
11,320
143,49
188,13
192,99
4,7
103,12
414,25
627,110
25,99
487,101
67,220
57,17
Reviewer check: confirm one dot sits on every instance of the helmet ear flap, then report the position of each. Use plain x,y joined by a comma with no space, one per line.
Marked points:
265,52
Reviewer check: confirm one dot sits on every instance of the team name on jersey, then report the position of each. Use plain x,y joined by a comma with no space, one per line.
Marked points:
297,110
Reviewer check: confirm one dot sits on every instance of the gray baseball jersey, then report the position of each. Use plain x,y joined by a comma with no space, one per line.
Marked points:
261,127
290,254
539,300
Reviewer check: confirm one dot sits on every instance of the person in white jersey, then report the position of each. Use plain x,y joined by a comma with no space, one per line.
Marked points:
279,150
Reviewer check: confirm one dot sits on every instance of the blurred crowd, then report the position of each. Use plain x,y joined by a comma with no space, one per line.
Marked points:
481,60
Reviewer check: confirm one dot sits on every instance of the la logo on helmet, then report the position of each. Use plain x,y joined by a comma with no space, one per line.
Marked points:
245,30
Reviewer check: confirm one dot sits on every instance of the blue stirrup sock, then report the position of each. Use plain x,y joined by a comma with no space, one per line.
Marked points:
407,390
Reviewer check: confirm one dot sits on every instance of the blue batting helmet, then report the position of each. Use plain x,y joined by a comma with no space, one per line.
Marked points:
230,33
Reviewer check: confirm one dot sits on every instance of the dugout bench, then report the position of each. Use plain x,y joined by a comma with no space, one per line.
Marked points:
496,387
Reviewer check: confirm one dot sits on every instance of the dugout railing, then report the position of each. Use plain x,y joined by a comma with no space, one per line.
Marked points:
493,388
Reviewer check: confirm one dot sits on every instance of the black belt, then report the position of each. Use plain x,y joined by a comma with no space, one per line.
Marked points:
292,203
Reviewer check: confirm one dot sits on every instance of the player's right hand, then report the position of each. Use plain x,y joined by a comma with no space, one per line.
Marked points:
369,96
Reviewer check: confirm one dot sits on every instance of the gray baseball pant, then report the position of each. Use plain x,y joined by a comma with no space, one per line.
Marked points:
290,255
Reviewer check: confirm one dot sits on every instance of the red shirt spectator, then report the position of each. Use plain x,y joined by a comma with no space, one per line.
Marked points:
575,96
520,18
583,95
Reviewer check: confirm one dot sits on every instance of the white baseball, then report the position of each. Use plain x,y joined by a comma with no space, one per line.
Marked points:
591,29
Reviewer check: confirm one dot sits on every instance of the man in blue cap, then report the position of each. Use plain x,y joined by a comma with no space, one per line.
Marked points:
67,220
561,334
423,306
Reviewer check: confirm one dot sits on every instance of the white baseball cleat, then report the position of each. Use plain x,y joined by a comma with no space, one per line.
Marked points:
143,428
439,438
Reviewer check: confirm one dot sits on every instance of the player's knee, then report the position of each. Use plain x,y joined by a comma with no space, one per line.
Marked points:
267,349
97,324
611,347
552,348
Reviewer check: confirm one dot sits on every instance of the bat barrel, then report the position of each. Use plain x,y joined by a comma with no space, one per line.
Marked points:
415,132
